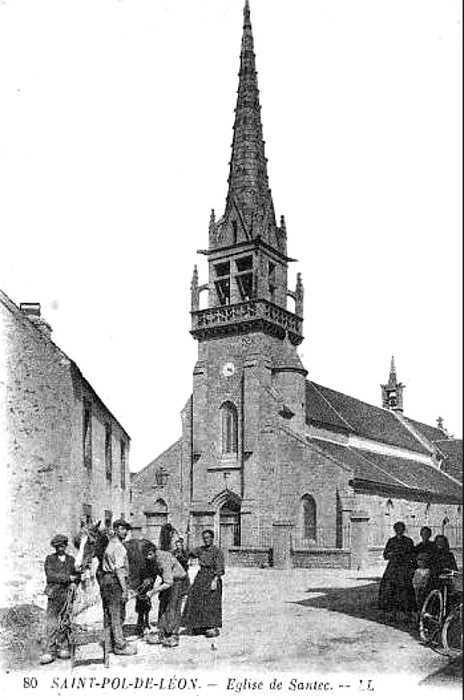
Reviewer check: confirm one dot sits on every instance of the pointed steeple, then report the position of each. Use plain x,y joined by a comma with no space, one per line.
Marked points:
392,392
249,189
247,254
392,380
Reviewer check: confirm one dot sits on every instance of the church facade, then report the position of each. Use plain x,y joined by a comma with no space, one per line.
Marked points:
286,471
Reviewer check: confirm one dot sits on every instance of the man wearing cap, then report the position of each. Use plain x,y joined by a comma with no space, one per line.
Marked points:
114,587
60,573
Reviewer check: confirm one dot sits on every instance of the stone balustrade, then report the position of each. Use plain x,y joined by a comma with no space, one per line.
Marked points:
254,314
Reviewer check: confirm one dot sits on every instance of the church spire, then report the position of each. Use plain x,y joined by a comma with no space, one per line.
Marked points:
247,253
392,392
392,380
249,189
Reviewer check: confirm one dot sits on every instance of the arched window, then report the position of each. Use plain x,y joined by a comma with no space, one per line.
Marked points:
160,506
229,426
389,507
309,518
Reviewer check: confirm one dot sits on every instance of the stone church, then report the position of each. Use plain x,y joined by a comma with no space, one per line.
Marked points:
286,471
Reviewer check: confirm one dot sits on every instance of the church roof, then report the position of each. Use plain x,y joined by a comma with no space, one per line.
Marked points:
430,432
341,413
452,449
390,470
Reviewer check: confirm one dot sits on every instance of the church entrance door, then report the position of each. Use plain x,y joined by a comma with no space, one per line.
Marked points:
229,527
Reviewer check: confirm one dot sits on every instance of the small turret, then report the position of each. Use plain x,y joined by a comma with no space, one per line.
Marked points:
299,296
392,392
212,229
194,290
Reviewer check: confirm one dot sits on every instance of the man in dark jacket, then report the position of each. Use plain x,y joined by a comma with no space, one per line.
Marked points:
60,573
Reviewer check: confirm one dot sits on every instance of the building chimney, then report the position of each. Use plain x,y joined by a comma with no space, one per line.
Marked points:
32,311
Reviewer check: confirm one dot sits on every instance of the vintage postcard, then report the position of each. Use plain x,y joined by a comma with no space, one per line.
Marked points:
231,348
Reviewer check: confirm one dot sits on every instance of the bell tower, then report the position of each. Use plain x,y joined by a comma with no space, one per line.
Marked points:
392,392
247,253
248,371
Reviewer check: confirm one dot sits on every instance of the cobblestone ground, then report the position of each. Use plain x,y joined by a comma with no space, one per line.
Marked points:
300,620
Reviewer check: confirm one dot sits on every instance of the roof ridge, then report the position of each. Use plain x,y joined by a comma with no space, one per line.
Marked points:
373,405
353,398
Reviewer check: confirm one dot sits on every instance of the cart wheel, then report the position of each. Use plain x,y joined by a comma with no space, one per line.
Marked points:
452,633
431,618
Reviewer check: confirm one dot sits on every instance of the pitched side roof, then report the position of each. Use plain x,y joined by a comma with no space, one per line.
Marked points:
361,467
452,464
339,412
386,470
430,432
25,321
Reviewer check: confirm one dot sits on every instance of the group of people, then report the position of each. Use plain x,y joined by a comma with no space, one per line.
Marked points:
412,570
197,608
162,570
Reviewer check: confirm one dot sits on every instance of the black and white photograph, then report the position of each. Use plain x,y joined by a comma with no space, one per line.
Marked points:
231,348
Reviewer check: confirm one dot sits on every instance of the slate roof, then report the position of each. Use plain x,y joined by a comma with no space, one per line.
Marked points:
452,449
361,467
389,470
431,433
341,413
22,318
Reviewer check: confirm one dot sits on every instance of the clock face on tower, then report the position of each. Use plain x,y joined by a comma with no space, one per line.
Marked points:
228,369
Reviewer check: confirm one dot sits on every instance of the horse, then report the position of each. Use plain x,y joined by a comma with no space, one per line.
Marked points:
91,542
168,534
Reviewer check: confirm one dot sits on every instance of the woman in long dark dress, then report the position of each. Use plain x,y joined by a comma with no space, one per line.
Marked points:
182,557
396,593
203,610
445,559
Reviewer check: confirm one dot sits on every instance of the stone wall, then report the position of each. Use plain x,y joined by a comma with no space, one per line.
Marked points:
148,496
321,558
386,509
257,557
39,405
45,483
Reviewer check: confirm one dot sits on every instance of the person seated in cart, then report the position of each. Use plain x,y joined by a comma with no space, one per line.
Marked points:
61,574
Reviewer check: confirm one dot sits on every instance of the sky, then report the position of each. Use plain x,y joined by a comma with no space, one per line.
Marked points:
115,133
